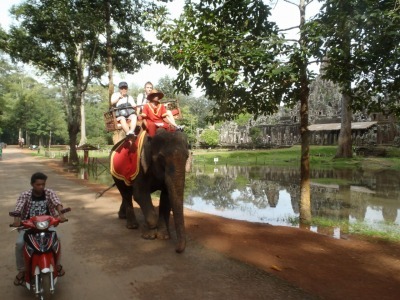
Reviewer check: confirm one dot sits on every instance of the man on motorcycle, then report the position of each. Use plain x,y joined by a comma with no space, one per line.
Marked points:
34,202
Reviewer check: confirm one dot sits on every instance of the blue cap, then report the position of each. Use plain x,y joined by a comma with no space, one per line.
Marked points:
122,84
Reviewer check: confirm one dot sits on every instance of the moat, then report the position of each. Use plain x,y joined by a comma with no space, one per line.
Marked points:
271,195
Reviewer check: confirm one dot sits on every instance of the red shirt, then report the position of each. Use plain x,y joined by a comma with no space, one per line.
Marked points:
155,113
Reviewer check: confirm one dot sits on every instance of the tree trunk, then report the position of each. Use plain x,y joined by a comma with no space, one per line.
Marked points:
83,139
344,149
75,118
73,154
73,103
305,202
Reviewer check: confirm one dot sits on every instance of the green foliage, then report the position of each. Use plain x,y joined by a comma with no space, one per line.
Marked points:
29,106
256,135
66,40
243,119
210,137
165,84
231,51
96,104
322,157
359,40
73,35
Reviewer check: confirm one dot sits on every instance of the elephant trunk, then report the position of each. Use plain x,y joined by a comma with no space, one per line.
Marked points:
176,185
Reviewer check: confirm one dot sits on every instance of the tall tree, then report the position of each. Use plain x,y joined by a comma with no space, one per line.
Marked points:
28,107
64,38
301,60
236,55
231,51
359,41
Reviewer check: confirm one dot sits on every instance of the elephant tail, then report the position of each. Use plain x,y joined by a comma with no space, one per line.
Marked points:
99,194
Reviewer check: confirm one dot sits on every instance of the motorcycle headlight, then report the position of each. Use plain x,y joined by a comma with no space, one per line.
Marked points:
42,225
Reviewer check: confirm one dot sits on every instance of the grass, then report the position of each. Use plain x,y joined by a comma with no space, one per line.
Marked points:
321,157
379,231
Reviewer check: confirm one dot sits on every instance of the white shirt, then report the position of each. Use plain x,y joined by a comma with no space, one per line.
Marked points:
117,99
141,99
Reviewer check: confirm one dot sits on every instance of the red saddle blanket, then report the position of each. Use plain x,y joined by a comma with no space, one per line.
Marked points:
125,159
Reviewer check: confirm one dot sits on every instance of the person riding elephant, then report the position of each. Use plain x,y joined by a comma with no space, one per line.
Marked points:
162,164
156,114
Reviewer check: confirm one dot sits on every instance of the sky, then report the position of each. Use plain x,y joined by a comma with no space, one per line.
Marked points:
283,13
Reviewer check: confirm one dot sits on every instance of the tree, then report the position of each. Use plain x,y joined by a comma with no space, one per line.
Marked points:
358,41
64,38
28,106
256,136
300,60
210,137
96,103
231,51
242,63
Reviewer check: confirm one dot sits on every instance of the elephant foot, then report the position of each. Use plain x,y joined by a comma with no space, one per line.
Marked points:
121,216
180,246
149,234
163,234
132,225
131,222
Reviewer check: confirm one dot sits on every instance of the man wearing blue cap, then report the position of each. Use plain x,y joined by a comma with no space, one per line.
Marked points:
125,108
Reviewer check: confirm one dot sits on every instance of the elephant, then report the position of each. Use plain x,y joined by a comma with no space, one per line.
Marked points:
162,168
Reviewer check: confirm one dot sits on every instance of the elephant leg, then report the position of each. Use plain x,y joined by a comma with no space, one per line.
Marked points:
149,231
131,222
122,210
163,217
126,210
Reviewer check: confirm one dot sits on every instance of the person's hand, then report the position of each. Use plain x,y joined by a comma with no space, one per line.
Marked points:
16,223
63,218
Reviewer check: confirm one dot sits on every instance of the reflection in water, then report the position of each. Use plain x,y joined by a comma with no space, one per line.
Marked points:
271,195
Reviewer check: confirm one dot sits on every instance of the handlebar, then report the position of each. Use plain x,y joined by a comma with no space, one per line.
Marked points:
65,210
17,214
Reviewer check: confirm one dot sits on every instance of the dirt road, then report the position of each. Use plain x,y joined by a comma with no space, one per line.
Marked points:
103,260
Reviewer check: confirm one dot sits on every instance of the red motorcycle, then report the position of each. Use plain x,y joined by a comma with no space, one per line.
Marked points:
41,252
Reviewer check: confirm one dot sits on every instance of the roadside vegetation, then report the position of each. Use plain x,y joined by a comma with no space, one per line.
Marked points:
321,157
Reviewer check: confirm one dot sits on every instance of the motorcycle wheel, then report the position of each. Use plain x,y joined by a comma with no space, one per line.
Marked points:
45,286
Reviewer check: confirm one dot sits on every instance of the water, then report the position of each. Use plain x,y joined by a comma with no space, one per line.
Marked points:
271,195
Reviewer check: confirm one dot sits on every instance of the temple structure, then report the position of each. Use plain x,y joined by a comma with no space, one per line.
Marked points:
282,128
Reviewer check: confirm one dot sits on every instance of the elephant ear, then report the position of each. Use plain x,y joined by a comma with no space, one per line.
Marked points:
143,162
145,155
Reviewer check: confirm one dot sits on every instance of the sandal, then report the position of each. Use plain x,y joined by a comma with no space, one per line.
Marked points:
60,271
19,279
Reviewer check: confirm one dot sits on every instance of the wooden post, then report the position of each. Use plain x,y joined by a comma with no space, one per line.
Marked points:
85,157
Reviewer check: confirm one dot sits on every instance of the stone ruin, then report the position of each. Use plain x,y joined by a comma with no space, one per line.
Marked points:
282,128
